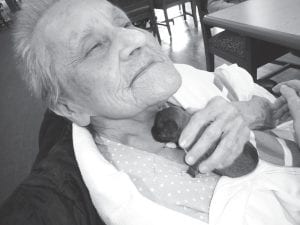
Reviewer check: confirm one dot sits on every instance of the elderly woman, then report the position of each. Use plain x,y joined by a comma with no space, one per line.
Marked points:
91,66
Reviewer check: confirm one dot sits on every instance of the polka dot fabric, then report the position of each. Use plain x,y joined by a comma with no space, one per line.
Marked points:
162,180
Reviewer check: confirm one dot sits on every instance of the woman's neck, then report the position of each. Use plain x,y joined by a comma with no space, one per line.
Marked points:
134,131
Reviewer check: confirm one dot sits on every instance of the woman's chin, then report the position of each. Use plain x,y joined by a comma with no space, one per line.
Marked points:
157,85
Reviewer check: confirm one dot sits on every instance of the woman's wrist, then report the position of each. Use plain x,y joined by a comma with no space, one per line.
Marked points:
256,112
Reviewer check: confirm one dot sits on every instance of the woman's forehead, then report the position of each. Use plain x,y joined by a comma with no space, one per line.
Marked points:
66,13
68,20
84,10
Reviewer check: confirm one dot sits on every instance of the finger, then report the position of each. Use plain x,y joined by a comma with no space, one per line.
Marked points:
293,100
225,149
238,147
280,112
280,101
226,152
295,84
195,127
201,119
209,137
235,150
288,93
276,88
219,156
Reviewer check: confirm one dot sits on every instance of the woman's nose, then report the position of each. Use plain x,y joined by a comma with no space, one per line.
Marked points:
131,41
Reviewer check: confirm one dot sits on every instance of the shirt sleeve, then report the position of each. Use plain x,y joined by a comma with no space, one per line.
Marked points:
36,205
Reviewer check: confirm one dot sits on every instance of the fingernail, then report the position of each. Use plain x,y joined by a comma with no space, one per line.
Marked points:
190,160
183,144
283,86
203,169
276,86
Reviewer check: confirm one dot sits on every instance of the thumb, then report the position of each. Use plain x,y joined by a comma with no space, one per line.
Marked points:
292,99
277,87
289,93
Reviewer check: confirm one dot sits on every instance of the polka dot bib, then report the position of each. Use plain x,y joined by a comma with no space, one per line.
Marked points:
162,180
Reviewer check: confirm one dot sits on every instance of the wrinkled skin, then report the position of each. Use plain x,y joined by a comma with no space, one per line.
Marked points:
107,67
289,91
259,113
219,120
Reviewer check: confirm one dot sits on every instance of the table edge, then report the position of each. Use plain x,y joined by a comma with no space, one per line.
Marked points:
277,37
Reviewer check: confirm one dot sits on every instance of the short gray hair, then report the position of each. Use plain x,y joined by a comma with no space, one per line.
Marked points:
39,71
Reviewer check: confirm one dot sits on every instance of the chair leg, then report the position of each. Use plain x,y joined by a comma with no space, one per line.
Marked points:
156,31
167,22
251,65
210,62
184,11
158,36
193,6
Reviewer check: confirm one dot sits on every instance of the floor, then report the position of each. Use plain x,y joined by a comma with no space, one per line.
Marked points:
21,113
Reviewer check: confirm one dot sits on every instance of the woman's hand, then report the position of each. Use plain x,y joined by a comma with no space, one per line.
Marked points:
258,112
219,123
290,92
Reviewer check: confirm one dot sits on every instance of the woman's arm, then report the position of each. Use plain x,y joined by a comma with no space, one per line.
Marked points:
256,104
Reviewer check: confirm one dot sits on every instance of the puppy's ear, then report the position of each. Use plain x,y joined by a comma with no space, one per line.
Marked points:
72,112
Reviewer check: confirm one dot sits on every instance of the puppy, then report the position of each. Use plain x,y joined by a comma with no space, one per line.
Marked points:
168,126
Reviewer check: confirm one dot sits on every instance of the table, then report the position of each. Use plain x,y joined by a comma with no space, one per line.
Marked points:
275,21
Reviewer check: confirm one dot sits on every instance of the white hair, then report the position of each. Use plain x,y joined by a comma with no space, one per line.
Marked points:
39,72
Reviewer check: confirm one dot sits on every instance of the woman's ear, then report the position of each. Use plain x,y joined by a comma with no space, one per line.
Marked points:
72,112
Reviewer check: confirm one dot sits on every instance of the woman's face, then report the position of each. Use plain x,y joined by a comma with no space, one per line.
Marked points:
106,66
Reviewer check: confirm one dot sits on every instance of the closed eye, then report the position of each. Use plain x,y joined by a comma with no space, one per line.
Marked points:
93,48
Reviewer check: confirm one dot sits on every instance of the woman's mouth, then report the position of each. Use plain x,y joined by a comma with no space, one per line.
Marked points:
142,70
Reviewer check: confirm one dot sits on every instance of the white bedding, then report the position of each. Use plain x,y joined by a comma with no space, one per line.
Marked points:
269,195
